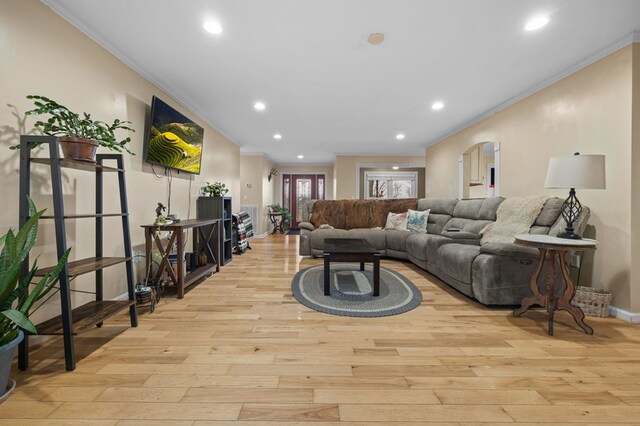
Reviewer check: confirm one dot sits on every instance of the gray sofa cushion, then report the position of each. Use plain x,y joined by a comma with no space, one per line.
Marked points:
318,236
489,208
375,237
306,225
465,225
417,244
468,209
397,240
456,260
433,244
549,213
515,250
436,222
438,205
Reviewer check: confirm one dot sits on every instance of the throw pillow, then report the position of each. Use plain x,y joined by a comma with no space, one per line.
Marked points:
325,226
417,220
396,221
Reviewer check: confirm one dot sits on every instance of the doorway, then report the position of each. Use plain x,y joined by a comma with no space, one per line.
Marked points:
297,192
479,171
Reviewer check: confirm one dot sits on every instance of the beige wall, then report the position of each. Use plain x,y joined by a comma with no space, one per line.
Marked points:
588,112
255,189
346,170
43,54
635,181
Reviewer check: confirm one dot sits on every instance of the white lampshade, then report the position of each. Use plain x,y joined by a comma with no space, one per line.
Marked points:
576,171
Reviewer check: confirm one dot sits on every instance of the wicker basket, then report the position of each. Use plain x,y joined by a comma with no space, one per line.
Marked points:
592,301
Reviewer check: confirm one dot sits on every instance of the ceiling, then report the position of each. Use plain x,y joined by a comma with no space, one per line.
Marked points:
326,90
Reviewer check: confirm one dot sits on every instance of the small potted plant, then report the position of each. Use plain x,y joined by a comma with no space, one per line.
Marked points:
215,189
79,135
285,212
15,319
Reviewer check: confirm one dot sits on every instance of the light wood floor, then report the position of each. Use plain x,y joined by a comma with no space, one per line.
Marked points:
238,347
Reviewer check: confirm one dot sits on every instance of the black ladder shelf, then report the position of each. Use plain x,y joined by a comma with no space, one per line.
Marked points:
72,321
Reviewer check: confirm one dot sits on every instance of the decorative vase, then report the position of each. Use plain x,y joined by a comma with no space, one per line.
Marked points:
7,352
80,149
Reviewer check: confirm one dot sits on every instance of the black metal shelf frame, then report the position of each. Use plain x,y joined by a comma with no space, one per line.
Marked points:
99,311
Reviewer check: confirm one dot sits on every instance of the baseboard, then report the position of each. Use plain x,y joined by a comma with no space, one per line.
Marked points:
264,234
624,315
123,296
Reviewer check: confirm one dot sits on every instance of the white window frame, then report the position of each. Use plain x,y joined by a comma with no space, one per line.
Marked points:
390,177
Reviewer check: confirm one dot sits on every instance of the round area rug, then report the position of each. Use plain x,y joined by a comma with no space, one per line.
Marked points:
352,291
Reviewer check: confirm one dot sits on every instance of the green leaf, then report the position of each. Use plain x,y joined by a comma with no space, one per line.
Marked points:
20,320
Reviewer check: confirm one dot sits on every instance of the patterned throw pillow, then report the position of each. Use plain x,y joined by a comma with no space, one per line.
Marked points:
396,221
417,220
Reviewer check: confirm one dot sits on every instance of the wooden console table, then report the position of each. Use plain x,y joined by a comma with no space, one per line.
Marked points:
552,248
179,279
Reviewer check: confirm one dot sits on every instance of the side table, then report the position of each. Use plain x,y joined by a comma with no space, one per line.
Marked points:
277,219
552,248
208,242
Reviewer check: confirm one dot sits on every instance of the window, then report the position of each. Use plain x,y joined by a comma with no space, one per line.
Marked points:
390,185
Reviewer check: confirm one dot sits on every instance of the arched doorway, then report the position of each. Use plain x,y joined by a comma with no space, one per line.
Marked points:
479,171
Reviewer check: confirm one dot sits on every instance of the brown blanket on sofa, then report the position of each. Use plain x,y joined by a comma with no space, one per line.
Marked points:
350,214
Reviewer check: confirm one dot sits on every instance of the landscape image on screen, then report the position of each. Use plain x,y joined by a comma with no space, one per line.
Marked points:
174,140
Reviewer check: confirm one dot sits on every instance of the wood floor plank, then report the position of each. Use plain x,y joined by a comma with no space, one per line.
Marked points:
239,349
119,394
489,396
147,411
290,412
374,396
608,414
425,413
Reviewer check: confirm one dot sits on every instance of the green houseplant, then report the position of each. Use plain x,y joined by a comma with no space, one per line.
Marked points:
215,189
16,295
286,213
79,134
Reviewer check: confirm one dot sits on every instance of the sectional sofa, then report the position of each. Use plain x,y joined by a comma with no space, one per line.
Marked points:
492,273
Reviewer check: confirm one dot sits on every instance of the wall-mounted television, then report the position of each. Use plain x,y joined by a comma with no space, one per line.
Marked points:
174,141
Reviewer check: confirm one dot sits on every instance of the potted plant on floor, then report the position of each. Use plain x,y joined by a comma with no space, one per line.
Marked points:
16,295
79,135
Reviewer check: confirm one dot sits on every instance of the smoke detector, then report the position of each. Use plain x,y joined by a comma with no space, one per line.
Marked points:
375,38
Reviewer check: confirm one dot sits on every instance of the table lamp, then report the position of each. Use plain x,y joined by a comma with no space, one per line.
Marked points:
575,171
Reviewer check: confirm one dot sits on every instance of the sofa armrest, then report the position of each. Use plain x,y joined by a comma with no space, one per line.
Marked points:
306,225
510,249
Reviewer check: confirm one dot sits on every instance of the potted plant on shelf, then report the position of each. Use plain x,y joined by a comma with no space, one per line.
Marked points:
215,189
16,295
79,135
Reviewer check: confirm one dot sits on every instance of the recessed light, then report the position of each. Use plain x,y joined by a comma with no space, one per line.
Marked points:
277,136
536,23
395,167
301,156
260,106
400,136
213,27
437,105
375,38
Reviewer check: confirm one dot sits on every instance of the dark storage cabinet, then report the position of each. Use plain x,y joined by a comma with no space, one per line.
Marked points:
219,208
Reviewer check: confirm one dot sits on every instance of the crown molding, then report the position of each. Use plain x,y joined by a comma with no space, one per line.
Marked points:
633,37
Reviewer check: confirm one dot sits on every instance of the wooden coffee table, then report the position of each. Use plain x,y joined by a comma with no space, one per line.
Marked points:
350,250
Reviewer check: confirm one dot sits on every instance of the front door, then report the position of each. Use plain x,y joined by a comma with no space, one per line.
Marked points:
298,190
